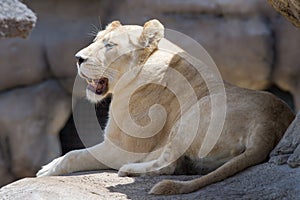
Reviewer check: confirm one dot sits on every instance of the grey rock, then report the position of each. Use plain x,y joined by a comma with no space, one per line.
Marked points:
16,20
5,174
61,56
22,63
212,7
294,159
288,149
265,181
30,119
67,84
287,66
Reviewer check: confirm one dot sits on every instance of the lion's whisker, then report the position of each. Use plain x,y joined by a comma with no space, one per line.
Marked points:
100,23
97,29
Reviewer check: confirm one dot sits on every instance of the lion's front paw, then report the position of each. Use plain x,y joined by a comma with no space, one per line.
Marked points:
51,169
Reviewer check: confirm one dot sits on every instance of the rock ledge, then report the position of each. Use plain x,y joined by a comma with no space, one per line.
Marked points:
265,181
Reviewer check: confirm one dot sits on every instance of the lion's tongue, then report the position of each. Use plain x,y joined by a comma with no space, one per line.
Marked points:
99,87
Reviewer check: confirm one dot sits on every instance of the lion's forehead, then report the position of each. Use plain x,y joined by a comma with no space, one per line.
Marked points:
133,31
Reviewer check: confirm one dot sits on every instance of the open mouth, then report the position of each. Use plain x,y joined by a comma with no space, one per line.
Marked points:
98,86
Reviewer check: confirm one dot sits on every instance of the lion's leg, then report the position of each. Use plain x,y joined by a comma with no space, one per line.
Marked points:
167,160
164,164
73,161
254,154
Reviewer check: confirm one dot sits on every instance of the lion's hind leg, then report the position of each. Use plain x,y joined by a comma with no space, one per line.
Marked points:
256,153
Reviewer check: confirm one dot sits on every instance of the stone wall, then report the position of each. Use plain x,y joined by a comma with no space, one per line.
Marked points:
252,45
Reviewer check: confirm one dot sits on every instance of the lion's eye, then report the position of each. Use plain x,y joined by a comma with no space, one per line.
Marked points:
109,45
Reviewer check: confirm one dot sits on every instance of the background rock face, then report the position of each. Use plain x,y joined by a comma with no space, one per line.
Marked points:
252,45
30,119
287,67
27,69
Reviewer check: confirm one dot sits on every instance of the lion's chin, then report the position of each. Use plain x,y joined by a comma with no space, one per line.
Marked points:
93,97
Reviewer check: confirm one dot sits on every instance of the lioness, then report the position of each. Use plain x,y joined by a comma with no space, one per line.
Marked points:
165,141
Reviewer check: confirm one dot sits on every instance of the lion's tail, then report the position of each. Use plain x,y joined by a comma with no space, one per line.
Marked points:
248,158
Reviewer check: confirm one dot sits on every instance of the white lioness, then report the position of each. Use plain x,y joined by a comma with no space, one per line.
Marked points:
141,138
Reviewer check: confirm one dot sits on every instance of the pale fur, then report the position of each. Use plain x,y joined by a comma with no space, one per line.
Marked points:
255,121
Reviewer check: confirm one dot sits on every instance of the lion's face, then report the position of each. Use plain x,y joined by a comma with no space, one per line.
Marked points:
114,51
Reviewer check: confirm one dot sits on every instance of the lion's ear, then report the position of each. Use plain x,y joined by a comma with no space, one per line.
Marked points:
152,32
113,25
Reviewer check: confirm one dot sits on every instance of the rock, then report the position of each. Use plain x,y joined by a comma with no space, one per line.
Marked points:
288,8
67,84
16,20
30,120
24,63
288,149
287,67
6,176
264,181
64,66
213,7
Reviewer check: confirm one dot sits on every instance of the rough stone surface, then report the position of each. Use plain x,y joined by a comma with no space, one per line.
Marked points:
265,181
16,20
30,119
287,66
23,63
6,176
288,149
288,8
219,8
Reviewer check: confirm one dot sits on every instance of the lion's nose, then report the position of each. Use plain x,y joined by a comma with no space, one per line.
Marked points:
80,60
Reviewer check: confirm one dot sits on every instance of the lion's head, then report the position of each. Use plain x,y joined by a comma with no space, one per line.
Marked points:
114,51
